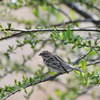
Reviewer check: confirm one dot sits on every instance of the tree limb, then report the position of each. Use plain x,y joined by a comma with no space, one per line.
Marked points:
75,21
93,6
22,32
82,11
93,63
83,56
48,78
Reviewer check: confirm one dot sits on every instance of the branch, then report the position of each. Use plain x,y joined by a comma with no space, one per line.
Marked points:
22,32
93,63
82,11
32,84
83,56
75,21
93,6
55,7
92,46
48,78
83,92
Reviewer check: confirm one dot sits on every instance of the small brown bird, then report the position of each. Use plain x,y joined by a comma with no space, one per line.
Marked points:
55,63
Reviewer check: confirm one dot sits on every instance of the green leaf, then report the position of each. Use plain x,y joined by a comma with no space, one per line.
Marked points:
95,50
58,92
7,55
25,91
36,12
55,35
79,73
9,25
69,33
85,82
74,46
89,42
50,98
15,81
19,83
83,64
64,35
65,42
18,41
1,26
72,15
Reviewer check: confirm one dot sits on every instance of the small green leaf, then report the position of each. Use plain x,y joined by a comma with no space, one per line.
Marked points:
64,35
25,91
50,98
7,55
19,83
65,42
79,73
95,42
95,50
68,33
9,25
89,42
74,46
83,64
15,81
1,26
72,15
36,12
18,41
55,35
86,82
58,92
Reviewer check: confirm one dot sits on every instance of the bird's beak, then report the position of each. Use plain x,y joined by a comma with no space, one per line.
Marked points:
40,54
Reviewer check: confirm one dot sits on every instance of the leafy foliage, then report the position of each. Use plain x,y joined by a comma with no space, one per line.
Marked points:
40,33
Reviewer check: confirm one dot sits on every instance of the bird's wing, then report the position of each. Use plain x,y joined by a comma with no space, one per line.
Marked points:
62,63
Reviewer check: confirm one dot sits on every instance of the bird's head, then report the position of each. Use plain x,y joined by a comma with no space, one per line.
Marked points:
45,54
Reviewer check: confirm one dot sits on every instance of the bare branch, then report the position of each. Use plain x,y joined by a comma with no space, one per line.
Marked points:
55,7
84,91
93,63
83,56
93,6
82,11
75,21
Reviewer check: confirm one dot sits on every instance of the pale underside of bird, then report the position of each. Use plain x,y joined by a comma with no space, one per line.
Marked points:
55,63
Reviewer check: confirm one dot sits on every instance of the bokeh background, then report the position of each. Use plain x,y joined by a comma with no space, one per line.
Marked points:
23,60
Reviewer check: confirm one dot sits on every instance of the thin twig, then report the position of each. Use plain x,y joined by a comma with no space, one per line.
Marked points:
81,10
75,21
93,6
83,56
84,91
55,7
93,63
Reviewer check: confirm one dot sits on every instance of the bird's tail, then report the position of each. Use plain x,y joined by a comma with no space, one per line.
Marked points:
72,68
77,69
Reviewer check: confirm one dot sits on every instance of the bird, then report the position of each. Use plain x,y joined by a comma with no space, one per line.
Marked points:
56,63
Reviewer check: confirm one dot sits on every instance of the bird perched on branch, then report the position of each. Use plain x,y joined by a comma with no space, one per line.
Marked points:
55,63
